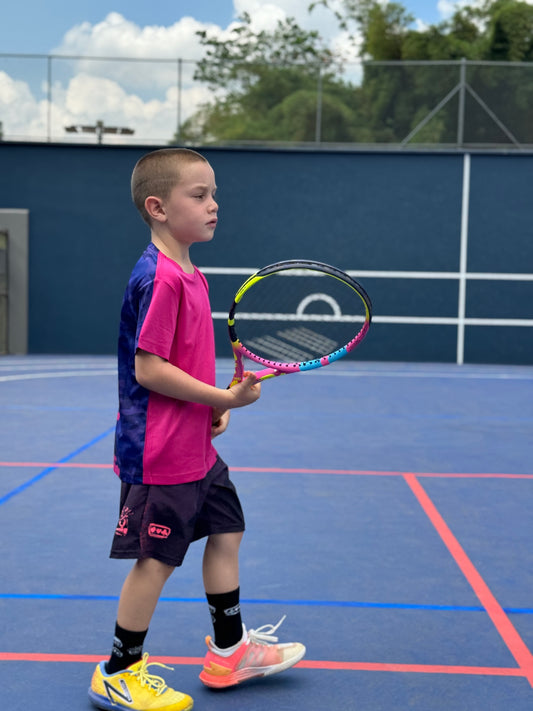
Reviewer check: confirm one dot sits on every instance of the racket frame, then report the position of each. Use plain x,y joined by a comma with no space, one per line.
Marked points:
273,369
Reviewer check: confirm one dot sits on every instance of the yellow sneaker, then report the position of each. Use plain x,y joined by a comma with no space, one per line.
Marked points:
134,689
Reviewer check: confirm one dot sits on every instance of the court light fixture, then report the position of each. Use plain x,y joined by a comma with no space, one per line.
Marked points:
99,129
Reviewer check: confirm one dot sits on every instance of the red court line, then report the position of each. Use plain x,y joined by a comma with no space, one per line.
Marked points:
503,624
305,664
280,470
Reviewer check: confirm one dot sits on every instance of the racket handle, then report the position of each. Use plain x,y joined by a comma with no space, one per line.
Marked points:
239,368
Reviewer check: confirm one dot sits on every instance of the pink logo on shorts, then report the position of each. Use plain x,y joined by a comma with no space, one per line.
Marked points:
122,527
157,531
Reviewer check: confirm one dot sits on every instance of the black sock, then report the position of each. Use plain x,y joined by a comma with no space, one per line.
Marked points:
127,649
226,617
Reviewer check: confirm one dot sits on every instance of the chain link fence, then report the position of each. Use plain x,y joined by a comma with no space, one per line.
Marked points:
3,293
449,104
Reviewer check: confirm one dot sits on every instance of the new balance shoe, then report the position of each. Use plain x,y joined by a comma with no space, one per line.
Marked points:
134,689
254,656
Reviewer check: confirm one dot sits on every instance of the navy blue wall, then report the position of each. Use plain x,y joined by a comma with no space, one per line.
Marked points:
359,211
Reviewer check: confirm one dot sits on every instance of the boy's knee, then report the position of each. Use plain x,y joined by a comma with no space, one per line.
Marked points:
154,567
225,541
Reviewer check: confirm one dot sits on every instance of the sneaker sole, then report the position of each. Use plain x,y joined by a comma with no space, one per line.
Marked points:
105,705
237,677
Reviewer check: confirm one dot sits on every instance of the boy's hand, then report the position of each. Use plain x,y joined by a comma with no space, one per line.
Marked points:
220,422
245,392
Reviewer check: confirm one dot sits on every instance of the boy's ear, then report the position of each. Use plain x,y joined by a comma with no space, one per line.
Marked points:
154,207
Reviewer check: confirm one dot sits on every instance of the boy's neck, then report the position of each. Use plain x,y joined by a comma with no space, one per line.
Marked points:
176,251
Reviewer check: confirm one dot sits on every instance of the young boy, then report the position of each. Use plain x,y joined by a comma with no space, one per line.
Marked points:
174,487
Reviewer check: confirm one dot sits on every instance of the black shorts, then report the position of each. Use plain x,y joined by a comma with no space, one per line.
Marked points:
160,521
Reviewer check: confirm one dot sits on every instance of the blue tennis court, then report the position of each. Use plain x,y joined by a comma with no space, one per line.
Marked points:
388,516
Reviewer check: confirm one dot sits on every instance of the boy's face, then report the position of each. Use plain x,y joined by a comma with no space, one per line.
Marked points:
190,209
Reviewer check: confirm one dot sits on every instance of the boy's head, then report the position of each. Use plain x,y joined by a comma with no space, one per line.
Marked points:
157,173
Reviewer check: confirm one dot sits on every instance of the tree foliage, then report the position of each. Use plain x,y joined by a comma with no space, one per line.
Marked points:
283,84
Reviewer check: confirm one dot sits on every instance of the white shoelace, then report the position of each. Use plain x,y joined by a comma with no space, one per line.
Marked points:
265,634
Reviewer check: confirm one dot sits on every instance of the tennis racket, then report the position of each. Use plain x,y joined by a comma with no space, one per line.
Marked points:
296,315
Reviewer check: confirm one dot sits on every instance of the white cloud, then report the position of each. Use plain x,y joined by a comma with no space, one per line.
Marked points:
265,15
88,99
22,115
116,36
446,8
421,26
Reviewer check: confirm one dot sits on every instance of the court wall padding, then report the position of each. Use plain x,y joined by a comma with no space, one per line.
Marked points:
440,240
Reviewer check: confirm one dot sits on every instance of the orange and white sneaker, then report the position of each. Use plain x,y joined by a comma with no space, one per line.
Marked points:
134,689
253,656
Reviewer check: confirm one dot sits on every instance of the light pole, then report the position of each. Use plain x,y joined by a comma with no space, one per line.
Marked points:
99,128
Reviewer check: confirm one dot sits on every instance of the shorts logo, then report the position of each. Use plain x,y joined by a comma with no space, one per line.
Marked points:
122,527
157,531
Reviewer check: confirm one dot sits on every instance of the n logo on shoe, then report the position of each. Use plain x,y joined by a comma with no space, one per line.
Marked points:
112,692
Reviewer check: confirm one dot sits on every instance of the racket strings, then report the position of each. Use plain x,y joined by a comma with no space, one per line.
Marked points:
306,337
301,319
277,349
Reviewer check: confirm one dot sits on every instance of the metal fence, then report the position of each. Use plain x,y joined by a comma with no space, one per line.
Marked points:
454,104
3,293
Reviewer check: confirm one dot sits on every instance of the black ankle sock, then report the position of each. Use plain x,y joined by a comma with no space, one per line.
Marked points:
127,649
226,617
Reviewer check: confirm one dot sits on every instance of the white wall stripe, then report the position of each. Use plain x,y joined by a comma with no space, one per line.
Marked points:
421,320
480,276
461,310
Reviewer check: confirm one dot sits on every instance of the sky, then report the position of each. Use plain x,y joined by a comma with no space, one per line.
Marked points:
33,26
139,95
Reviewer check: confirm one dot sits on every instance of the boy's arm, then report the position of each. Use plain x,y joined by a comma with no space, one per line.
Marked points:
157,374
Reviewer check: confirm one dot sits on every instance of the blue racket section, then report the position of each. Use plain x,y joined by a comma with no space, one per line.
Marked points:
388,512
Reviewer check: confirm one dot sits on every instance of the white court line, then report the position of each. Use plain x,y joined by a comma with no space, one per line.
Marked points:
464,372
57,374
420,374
51,365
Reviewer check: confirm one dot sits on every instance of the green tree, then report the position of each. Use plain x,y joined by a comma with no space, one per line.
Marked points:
268,86
499,30
255,75
397,97
510,32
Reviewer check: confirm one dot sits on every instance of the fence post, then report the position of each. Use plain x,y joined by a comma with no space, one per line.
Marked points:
49,100
461,109
318,120
178,107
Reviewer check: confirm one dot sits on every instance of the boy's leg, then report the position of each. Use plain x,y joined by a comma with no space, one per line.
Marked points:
237,654
141,592
138,599
221,562
126,681
221,581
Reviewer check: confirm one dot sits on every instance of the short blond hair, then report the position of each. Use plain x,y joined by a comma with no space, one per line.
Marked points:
156,173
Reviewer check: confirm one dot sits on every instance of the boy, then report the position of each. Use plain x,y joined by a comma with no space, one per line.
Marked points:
174,487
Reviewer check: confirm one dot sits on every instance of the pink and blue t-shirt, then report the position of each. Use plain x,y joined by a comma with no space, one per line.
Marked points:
158,439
